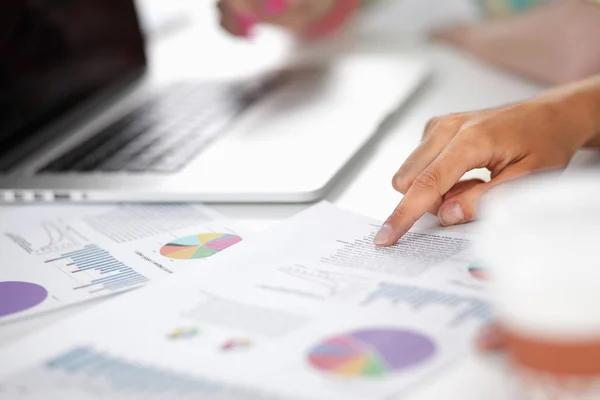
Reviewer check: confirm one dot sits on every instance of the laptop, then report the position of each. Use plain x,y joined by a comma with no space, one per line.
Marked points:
82,121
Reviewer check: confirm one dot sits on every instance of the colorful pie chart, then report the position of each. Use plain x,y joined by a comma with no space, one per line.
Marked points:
371,353
478,272
199,246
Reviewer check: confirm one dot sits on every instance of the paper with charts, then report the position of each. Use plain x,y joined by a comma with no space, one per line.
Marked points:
308,310
53,256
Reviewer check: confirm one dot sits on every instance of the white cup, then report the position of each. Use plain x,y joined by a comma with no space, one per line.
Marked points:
541,240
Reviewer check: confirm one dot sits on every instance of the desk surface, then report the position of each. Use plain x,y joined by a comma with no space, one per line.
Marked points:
458,83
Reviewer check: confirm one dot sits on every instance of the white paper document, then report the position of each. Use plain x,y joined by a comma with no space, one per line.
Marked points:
308,310
54,256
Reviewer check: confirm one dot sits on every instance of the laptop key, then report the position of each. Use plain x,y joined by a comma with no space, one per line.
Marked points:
162,135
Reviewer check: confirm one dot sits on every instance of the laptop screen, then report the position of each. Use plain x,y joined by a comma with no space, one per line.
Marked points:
54,54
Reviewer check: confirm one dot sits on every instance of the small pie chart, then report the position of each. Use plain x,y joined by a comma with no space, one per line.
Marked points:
199,246
478,272
371,353
20,296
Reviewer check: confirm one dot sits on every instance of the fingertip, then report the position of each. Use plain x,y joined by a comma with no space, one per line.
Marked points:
450,214
399,184
389,234
460,203
384,235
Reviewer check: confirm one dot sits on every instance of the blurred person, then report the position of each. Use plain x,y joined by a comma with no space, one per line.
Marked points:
548,41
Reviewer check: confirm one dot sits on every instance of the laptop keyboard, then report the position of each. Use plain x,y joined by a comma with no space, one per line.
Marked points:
162,135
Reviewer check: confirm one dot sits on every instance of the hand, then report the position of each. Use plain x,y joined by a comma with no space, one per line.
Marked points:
555,43
294,15
543,133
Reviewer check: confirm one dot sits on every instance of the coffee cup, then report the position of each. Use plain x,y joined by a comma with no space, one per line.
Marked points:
540,239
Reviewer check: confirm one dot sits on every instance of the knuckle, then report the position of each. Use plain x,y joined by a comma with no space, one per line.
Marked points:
451,120
476,137
472,130
429,179
443,126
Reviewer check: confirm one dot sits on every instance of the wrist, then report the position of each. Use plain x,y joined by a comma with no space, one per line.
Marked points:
578,106
590,103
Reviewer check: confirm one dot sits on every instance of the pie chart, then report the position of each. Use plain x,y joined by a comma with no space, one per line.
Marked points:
371,353
20,296
478,272
199,246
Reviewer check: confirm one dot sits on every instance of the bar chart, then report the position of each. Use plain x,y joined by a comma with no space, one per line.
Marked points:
96,270
466,308
91,374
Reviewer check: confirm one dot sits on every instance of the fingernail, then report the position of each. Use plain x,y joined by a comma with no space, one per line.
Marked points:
273,7
247,22
451,215
384,235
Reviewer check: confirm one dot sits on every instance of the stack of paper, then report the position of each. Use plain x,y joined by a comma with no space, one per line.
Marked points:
308,310
54,256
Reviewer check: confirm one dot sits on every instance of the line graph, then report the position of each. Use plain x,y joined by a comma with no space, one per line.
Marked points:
49,237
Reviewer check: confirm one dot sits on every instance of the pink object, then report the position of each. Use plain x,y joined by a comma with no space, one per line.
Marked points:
274,7
223,243
247,22
340,13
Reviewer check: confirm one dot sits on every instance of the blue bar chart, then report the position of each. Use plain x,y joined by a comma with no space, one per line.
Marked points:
465,307
96,375
97,270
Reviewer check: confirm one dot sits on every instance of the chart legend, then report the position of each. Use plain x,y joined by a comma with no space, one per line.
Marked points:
199,246
371,353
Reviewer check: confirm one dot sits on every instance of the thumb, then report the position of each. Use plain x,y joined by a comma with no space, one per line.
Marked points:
460,203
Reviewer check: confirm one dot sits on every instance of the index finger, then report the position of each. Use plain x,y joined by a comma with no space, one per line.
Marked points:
439,177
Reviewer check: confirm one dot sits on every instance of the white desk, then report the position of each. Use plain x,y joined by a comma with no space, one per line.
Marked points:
458,83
